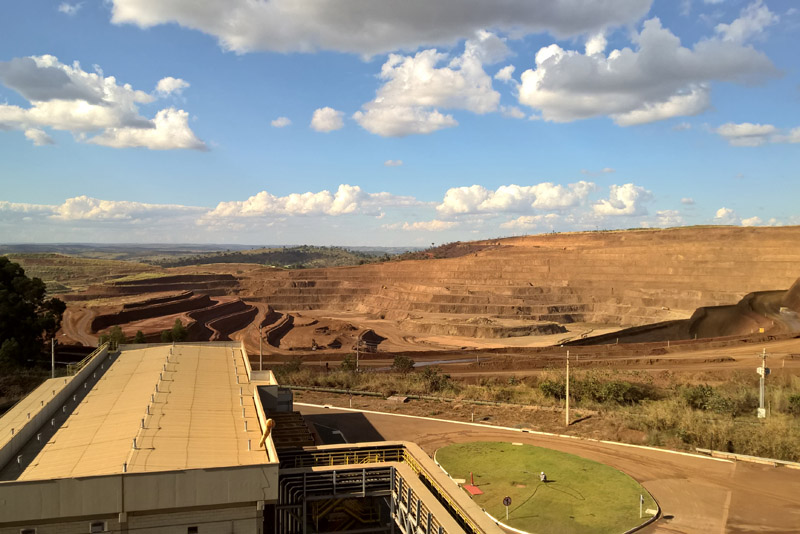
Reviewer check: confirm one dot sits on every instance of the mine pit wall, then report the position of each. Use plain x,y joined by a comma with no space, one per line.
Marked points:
270,317
199,329
101,322
745,318
158,300
183,278
224,326
480,331
209,288
39,418
620,278
280,329
792,298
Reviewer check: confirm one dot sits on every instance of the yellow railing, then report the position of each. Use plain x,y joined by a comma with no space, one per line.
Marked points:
73,368
379,455
415,466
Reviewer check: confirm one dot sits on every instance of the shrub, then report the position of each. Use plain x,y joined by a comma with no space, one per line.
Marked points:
113,337
551,388
289,368
402,364
348,363
434,380
794,404
179,332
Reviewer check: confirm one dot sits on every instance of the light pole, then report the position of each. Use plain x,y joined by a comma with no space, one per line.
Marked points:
567,392
762,371
260,351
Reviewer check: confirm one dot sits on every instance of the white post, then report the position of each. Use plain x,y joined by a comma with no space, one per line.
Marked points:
763,372
53,358
567,391
641,503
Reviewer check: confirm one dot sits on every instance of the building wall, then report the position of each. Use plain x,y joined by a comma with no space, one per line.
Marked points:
226,520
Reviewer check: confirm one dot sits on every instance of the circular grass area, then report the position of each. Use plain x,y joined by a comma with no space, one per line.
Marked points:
579,496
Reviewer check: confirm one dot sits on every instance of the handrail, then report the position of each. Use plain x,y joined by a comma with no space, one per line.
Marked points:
412,462
73,368
390,453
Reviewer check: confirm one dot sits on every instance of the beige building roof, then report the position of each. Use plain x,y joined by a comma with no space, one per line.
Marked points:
199,401
29,407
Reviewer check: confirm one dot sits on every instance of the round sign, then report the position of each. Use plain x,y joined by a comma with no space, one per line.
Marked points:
507,501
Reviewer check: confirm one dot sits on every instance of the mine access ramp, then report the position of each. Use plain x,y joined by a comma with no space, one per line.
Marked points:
391,487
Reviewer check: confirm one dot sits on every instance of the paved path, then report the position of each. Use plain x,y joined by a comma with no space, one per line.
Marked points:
696,494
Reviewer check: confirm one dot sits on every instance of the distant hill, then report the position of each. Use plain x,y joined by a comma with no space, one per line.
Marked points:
287,257
64,274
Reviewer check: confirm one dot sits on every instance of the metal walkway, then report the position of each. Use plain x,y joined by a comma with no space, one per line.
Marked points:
418,504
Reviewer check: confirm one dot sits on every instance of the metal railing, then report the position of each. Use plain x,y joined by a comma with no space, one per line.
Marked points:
378,454
74,368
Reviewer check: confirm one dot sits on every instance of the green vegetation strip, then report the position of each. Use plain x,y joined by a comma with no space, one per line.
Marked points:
580,496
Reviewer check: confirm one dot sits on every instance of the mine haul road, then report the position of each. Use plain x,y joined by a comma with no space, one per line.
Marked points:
696,494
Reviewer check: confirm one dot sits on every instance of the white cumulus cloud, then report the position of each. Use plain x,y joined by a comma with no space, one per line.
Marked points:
751,23
369,27
750,134
526,222
429,226
627,199
513,198
170,130
281,122
416,86
88,208
69,9
505,74
169,85
39,137
327,120
657,80
726,216
347,199
95,108
393,163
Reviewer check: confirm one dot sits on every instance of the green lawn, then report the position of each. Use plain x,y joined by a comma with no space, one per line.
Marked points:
580,495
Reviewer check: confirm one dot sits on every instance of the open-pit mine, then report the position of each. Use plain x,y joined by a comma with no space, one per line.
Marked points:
597,291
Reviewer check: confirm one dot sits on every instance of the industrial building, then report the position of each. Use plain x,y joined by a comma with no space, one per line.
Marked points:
188,438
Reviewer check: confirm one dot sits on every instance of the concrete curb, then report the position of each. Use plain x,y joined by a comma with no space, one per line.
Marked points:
521,430
747,458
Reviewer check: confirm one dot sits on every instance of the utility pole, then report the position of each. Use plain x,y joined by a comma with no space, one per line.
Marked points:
762,371
567,392
53,358
260,352
358,345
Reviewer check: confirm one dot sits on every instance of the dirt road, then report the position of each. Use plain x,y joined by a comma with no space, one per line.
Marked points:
696,494
76,325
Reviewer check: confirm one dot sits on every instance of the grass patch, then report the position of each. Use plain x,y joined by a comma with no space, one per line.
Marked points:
581,496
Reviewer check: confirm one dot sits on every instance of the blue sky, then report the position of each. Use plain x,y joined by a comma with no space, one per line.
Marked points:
373,122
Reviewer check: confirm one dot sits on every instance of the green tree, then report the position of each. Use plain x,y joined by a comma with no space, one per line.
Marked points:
348,363
166,336
114,337
27,318
179,332
139,337
402,364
